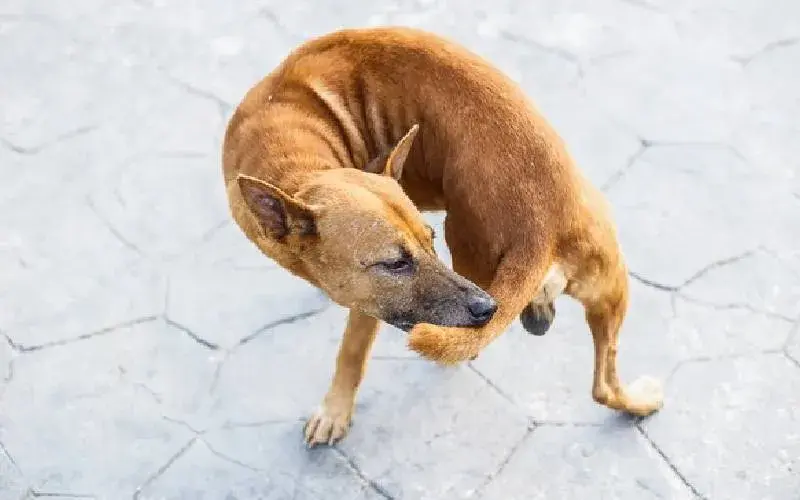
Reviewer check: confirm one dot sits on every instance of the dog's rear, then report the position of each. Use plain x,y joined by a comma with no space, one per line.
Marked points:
311,158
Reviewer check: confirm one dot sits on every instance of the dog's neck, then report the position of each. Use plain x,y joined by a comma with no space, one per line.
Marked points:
292,157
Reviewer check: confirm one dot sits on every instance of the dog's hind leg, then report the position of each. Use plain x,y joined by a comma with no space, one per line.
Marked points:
605,312
331,421
538,315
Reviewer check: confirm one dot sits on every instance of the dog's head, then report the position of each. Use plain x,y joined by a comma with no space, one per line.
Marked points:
358,237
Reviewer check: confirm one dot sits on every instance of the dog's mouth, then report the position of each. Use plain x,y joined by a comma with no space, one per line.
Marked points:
476,313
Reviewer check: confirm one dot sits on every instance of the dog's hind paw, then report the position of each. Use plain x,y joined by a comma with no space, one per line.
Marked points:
327,425
536,319
645,396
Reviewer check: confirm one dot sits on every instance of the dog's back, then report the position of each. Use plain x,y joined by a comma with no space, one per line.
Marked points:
360,90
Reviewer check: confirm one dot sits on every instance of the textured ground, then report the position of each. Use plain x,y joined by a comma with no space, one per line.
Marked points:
152,353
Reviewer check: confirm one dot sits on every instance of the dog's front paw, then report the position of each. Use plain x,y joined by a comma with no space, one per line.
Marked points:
329,423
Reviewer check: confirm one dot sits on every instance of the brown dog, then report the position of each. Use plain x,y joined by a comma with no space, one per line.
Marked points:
329,159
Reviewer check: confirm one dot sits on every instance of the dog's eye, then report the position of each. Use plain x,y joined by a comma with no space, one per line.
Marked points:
397,266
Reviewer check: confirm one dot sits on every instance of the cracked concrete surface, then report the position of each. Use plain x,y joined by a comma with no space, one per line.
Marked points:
148,351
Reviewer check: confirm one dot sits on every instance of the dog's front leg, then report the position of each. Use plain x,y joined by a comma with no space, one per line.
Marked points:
331,420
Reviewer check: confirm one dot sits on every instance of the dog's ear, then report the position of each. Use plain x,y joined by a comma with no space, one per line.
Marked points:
398,156
278,213
391,163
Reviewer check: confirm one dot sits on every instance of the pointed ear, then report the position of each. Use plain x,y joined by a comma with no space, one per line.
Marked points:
278,213
391,163
398,156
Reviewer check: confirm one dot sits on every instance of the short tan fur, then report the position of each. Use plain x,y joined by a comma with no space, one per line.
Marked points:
331,158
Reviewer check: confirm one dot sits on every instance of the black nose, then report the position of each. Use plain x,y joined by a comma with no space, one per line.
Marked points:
481,308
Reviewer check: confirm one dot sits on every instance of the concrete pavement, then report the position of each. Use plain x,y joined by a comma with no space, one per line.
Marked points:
150,352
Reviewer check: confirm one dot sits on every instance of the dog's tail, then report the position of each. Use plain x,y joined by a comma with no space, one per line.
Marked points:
513,291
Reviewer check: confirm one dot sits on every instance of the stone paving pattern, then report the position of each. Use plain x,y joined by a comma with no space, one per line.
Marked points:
150,352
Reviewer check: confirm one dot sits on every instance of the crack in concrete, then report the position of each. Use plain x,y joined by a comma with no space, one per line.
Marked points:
501,467
677,291
38,148
223,106
212,387
9,375
192,335
646,487
161,470
716,265
7,379
23,348
534,422
792,359
608,56
157,399
183,424
34,493
713,359
228,425
372,484
249,338
232,460
4,451
782,43
452,423
11,343
732,306
695,276
581,64
669,463
117,195
194,247
647,144
619,174
795,333
700,144
283,321
144,387
563,423
459,412
273,18
652,284
208,235
494,386
113,230
558,52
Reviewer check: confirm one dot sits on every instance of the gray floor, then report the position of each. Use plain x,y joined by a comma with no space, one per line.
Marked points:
152,353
